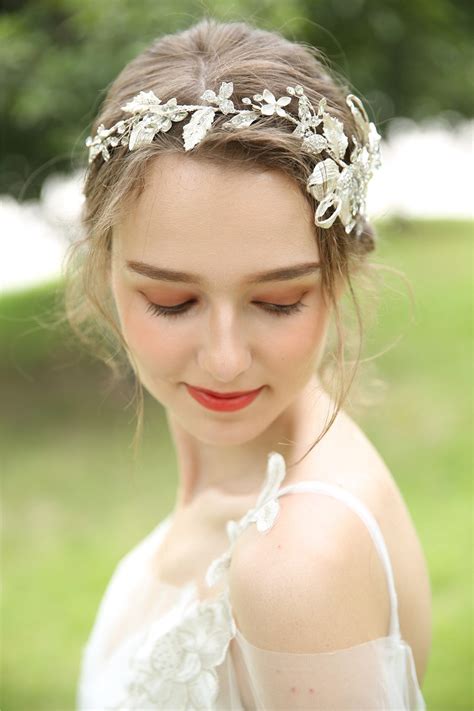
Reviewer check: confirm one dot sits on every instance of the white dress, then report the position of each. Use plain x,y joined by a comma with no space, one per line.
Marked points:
189,654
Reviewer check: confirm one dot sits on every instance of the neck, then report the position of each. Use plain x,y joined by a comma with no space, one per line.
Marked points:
238,469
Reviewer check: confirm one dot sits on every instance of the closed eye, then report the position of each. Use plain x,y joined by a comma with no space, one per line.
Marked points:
181,309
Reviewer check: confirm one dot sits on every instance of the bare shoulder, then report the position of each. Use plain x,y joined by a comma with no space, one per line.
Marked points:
312,583
315,582
362,470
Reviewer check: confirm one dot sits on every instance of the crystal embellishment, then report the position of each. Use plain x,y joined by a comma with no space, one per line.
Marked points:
339,185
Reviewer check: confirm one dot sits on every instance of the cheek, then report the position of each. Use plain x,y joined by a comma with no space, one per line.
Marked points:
161,346
154,344
302,338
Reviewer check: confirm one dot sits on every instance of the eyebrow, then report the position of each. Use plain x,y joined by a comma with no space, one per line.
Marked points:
282,274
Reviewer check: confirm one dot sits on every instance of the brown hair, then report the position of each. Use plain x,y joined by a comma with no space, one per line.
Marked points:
183,65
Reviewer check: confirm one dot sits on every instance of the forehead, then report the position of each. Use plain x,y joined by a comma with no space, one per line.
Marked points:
202,217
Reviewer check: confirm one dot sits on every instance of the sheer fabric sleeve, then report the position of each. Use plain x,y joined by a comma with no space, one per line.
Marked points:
379,674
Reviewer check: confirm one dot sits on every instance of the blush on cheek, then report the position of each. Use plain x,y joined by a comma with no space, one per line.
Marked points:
302,342
158,348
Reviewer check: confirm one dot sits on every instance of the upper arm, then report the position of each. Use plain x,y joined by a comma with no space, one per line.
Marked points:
313,583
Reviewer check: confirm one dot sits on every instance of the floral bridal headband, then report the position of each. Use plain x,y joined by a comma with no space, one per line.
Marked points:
340,187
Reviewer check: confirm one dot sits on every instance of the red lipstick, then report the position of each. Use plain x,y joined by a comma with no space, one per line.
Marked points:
223,402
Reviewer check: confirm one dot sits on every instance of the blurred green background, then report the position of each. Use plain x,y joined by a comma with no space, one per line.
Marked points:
408,58
73,502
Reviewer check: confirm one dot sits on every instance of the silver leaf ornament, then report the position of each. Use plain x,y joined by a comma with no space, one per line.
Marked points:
199,124
242,120
323,179
330,201
360,115
141,135
144,101
315,143
334,133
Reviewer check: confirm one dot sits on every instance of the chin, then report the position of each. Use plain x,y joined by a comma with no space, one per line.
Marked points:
231,432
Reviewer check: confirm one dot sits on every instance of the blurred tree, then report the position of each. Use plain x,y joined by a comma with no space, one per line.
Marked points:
406,57
409,58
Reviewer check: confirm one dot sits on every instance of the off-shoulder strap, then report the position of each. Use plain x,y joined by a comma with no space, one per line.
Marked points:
368,518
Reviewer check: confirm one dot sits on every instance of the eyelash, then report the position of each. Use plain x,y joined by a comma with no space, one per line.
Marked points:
178,310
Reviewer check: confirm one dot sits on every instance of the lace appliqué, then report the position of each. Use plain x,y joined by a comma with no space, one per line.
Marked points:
177,670
263,514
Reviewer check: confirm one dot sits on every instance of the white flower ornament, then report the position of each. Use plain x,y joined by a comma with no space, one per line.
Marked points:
176,669
175,665
272,105
263,514
339,186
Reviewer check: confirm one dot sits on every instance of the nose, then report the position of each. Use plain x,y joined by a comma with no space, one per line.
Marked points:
224,352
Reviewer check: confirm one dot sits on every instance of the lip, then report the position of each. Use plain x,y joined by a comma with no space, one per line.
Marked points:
214,393
223,402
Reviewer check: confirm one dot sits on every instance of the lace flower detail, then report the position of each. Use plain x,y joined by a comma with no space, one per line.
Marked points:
178,669
263,514
266,516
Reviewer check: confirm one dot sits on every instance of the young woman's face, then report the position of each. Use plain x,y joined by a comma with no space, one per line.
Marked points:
223,329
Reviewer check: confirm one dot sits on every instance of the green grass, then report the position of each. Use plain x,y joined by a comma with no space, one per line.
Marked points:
73,505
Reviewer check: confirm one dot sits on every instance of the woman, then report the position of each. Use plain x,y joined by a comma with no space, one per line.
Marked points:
225,218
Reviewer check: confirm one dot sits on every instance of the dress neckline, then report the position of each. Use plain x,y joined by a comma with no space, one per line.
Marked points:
199,620
264,514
